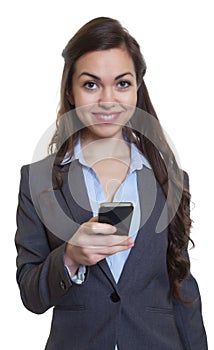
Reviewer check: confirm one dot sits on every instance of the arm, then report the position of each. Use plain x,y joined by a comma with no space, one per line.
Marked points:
189,317
41,274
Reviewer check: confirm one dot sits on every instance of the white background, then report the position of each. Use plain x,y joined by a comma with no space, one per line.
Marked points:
176,38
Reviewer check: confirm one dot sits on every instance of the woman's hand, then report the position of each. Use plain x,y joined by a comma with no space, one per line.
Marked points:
93,242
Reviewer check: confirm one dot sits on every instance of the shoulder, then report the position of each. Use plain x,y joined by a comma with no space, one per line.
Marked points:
45,163
41,175
38,175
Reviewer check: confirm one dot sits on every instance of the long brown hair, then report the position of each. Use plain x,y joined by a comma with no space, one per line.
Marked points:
102,34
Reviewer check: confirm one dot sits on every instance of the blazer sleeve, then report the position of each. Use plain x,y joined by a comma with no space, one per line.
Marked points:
188,316
41,274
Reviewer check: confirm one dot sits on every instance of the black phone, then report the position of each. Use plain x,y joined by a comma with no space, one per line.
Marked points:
118,214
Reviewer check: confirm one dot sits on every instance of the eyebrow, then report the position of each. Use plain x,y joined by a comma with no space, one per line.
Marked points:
97,78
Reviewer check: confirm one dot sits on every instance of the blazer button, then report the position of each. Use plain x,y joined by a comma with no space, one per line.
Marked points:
62,285
114,297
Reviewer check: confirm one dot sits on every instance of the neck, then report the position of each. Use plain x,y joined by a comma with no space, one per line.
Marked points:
105,148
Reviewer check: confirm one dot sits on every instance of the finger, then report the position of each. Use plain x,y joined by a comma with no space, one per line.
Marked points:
91,235
107,251
95,228
109,240
100,242
119,243
92,255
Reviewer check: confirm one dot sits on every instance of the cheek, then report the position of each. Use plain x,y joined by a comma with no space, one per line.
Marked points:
83,112
82,99
134,100
130,98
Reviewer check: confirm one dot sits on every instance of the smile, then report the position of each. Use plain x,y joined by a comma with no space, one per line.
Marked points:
107,117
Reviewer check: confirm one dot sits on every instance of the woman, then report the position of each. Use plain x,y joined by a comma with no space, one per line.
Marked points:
108,291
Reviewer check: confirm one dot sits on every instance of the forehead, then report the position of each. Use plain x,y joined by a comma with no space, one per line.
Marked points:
114,61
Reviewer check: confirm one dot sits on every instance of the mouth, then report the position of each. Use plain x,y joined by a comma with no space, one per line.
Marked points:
107,117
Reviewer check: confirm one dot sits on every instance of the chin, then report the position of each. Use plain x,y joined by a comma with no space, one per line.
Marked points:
106,131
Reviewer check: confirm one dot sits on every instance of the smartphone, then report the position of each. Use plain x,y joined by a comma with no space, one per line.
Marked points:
118,214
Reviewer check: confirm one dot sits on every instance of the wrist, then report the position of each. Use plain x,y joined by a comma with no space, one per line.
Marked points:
71,264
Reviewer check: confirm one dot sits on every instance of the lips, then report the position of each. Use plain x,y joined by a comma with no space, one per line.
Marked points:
107,117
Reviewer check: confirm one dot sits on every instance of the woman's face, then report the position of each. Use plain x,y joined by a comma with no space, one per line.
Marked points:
104,91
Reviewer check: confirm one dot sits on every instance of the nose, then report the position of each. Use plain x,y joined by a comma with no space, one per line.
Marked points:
107,98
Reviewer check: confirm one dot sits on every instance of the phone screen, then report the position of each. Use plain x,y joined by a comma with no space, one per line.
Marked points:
117,214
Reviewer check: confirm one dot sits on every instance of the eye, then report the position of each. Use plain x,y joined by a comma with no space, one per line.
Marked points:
123,84
90,85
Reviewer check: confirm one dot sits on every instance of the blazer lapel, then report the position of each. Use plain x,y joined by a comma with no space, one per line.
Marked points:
105,268
147,246
74,192
61,211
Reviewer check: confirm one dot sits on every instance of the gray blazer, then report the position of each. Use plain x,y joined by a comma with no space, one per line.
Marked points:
136,313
